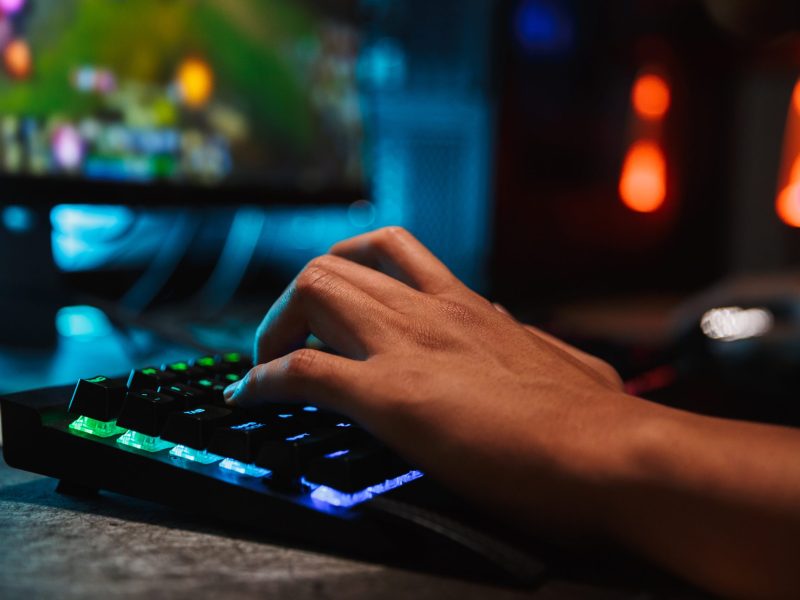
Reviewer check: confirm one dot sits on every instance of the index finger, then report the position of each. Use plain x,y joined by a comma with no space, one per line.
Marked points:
396,252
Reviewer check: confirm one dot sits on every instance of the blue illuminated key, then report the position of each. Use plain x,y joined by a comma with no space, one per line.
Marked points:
288,455
350,470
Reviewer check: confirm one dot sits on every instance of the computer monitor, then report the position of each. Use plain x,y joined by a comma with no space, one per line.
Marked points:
166,102
175,101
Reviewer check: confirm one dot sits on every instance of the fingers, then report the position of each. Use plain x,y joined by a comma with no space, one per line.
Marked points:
309,375
322,303
396,252
385,289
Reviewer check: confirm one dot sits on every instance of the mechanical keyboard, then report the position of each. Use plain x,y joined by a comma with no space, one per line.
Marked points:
301,474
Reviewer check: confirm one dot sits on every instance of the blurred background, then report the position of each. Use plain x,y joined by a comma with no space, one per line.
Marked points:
625,174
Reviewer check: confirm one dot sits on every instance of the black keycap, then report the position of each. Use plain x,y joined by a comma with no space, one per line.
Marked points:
287,456
183,371
188,395
147,411
228,378
209,364
149,378
98,398
213,389
234,362
350,470
242,440
195,427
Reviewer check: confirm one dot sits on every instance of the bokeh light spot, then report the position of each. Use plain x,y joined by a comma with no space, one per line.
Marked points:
10,7
195,81
651,96
17,59
788,205
643,183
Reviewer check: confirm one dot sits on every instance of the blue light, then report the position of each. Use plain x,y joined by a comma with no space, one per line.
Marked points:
310,408
252,425
82,322
18,219
339,499
243,469
543,27
337,454
297,437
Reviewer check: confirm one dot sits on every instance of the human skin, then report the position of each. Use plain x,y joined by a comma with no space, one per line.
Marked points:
471,396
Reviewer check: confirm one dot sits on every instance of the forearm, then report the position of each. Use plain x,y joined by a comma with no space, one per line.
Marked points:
716,501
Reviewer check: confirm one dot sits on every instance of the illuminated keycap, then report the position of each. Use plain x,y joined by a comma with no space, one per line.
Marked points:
199,456
91,426
144,442
236,466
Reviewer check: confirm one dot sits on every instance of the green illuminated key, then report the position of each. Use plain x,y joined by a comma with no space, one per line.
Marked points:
150,378
102,429
144,442
98,398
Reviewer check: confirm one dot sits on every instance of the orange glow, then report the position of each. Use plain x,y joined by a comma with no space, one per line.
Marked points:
196,82
794,174
643,183
788,205
17,59
651,97
796,97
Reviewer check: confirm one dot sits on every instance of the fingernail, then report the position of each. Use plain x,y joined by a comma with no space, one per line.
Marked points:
231,390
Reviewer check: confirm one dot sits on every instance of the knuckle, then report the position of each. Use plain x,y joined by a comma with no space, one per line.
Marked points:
300,363
311,279
323,261
387,237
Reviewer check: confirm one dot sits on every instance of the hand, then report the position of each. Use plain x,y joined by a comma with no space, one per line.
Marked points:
503,413
533,429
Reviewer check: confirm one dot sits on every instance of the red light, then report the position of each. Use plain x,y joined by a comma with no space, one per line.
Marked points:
643,183
788,205
796,97
651,96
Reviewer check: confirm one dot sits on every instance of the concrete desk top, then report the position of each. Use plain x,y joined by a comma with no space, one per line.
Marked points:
111,546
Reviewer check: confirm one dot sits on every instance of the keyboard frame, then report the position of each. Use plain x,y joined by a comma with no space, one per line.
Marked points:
397,527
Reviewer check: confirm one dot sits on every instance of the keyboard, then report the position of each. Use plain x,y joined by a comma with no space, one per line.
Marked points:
299,474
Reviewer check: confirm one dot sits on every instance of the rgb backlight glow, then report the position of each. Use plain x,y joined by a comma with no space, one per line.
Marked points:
103,429
339,499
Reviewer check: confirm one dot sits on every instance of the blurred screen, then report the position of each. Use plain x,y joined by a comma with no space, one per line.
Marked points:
201,92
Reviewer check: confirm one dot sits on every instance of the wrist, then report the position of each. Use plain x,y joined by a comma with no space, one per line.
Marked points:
624,460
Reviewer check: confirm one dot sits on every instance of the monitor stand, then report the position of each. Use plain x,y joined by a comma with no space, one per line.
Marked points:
30,287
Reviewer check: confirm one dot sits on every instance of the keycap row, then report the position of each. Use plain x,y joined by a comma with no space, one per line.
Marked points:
292,442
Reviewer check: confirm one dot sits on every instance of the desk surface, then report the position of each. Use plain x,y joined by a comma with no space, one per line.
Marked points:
53,546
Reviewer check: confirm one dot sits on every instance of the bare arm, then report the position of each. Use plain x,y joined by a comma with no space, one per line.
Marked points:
527,426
